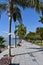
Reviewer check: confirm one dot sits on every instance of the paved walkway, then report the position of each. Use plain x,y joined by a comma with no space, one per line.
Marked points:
26,54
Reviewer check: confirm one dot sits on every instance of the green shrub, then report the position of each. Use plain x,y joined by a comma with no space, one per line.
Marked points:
2,46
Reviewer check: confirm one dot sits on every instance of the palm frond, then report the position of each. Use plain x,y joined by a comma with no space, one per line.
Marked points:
41,19
16,9
27,3
19,17
3,7
41,7
15,31
21,3
37,5
17,14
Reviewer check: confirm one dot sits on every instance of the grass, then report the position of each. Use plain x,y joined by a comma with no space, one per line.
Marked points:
39,44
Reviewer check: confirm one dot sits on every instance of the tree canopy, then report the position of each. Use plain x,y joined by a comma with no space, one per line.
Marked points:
21,31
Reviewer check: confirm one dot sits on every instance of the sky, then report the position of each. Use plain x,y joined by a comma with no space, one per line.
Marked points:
29,18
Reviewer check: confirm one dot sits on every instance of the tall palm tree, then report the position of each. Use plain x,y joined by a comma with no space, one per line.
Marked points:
10,6
17,16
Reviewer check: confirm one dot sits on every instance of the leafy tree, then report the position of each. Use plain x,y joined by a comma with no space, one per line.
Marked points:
39,31
31,36
21,31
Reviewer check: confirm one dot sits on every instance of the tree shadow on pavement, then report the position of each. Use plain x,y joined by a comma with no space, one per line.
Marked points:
14,64
39,50
34,48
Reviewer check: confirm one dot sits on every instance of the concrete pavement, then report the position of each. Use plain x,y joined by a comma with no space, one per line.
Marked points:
26,54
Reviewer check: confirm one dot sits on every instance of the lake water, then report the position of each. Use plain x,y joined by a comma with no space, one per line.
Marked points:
12,41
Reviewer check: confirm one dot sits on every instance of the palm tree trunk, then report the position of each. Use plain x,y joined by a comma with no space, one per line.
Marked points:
15,34
10,21
9,36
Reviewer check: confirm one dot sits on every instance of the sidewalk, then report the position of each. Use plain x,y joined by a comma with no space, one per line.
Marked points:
26,54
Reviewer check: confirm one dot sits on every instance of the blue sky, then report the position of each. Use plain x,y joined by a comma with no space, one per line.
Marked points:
30,20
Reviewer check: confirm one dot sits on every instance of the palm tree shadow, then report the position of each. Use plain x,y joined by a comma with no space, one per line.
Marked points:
31,54
39,50
35,48
15,64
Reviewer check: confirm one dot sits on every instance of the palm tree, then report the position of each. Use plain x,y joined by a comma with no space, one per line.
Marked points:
2,40
17,16
10,6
